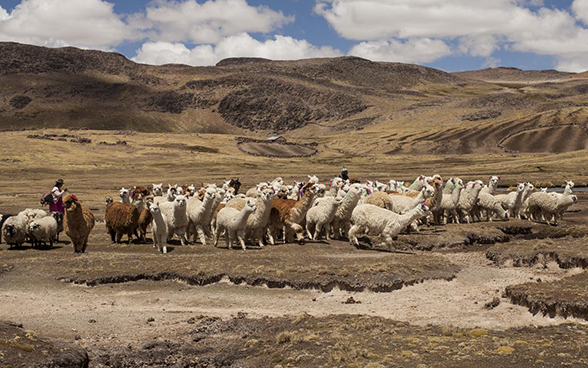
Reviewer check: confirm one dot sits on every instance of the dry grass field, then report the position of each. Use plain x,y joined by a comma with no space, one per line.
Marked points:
490,294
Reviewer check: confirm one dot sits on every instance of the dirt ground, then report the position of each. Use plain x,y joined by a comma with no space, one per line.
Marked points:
457,286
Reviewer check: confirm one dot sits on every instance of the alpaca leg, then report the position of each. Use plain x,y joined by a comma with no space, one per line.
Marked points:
270,236
353,236
240,235
217,235
308,227
258,235
455,216
201,233
112,235
229,237
182,235
317,231
328,231
118,237
85,243
284,233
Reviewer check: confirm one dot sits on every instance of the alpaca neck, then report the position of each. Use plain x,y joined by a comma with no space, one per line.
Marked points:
263,210
306,200
241,218
75,216
409,217
158,219
455,195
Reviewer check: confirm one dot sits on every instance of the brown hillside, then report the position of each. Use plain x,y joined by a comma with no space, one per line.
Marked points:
69,87
513,75
348,104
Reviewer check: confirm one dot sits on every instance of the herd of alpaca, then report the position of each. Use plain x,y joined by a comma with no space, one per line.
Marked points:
272,211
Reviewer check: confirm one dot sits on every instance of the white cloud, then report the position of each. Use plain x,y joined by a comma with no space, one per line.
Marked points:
209,22
3,14
480,27
422,50
478,46
87,24
491,62
574,64
580,8
243,45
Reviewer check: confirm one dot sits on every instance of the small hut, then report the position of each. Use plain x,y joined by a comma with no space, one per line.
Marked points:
277,139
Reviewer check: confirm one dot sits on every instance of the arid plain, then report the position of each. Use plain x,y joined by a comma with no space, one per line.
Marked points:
485,294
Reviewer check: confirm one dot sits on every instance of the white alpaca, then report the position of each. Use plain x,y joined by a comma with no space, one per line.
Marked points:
341,223
368,219
320,215
198,212
449,202
258,222
176,218
159,228
513,201
469,199
492,185
401,204
546,206
233,223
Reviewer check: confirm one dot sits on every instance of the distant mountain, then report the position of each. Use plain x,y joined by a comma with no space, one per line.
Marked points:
69,87
513,75
353,105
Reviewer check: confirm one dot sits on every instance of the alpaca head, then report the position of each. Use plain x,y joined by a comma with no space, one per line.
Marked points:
321,189
109,200
180,201
250,205
70,202
423,209
154,208
125,194
157,189
283,192
569,184
210,194
428,191
521,187
530,188
266,195
544,190
313,179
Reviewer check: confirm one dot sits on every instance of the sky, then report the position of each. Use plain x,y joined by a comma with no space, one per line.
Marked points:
451,35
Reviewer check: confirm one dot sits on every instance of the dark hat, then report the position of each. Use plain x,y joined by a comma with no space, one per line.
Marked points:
59,181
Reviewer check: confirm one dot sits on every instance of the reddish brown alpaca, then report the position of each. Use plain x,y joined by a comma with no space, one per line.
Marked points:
288,214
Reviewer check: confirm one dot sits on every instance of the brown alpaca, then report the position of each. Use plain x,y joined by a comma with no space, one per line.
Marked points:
380,199
145,219
288,214
78,222
145,216
435,200
120,219
200,193
143,191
